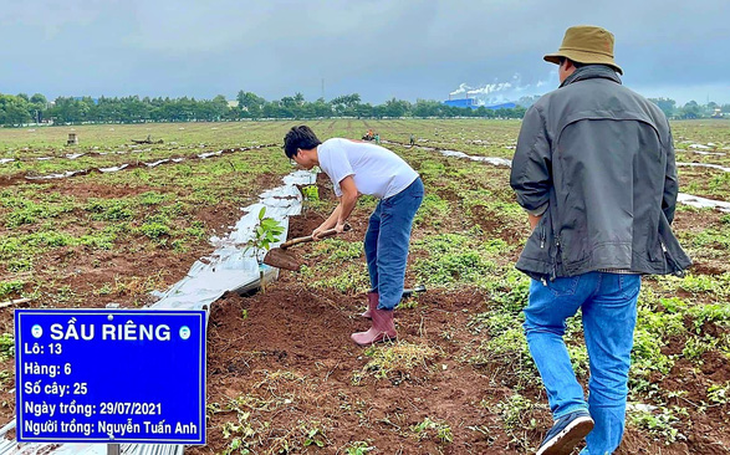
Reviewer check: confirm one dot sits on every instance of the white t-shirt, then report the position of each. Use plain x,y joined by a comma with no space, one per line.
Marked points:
376,170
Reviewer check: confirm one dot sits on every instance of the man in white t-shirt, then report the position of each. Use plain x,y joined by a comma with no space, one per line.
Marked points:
356,168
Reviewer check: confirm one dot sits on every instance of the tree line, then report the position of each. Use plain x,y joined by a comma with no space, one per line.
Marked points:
21,109
691,109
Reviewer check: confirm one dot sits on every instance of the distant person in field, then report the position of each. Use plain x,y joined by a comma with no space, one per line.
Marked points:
595,170
412,140
356,168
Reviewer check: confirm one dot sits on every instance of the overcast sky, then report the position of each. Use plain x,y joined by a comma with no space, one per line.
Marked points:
406,49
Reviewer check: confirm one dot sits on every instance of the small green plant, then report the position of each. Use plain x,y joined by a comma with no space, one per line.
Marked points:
9,288
695,347
719,393
155,230
311,193
4,376
661,425
517,417
433,428
242,433
151,198
105,289
396,362
314,437
266,232
7,346
358,448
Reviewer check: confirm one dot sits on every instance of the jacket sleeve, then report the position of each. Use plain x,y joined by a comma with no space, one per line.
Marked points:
531,176
671,183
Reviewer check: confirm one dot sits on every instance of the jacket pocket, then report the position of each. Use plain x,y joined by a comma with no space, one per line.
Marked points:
676,259
535,259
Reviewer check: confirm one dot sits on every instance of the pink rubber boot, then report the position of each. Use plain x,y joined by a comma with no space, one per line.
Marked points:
372,305
383,329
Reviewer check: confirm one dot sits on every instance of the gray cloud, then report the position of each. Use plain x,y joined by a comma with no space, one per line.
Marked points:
407,49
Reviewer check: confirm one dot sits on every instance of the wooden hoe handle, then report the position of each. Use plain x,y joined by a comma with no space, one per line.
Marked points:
298,240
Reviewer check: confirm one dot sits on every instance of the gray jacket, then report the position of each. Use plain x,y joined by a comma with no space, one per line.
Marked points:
599,160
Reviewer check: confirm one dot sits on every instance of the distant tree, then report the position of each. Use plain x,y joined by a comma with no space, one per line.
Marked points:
14,110
482,111
691,110
38,106
39,99
219,107
249,104
667,105
69,110
427,108
346,105
364,110
322,108
396,108
708,110
519,112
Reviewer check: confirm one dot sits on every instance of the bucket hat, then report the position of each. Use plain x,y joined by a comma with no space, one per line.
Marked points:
586,44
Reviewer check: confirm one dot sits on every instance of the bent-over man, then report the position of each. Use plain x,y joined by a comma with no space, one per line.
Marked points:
357,168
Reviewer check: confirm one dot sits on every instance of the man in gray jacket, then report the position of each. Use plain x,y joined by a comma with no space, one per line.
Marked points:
595,170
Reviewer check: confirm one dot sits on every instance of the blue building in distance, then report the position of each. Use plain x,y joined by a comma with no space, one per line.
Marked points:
472,104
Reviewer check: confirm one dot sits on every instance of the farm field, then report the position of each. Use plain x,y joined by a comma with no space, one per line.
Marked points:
283,374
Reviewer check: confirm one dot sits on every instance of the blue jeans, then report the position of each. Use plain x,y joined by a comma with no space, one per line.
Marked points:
608,303
386,243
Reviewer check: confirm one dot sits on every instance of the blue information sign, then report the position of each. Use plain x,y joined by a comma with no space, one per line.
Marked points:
110,376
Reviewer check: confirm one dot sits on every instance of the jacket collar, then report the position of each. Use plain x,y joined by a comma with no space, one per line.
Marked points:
592,72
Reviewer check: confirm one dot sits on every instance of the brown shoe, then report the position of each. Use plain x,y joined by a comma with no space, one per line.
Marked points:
372,304
383,329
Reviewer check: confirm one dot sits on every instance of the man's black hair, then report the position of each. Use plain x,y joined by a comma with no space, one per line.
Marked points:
576,64
299,137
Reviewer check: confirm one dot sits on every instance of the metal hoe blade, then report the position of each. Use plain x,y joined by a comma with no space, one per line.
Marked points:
276,257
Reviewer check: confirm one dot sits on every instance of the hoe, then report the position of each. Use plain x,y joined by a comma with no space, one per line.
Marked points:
280,258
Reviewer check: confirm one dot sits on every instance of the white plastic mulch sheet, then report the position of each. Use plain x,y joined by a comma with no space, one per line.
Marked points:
487,159
64,175
703,203
231,267
709,166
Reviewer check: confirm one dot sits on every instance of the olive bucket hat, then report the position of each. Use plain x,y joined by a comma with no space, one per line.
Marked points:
586,44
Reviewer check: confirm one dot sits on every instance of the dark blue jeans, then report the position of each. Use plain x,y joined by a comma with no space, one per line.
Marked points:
386,243
608,303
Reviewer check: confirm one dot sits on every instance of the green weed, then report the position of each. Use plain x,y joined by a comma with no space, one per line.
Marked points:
7,346
311,193
397,361
517,412
10,288
358,448
433,429
661,425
